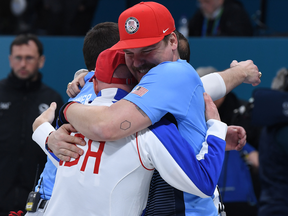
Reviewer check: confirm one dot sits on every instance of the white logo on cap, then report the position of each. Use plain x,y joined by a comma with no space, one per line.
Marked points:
164,31
131,25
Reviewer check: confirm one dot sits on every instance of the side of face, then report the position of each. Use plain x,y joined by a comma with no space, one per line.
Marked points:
141,60
25,60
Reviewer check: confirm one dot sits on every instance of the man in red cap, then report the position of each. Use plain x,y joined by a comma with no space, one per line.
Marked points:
113,177
150,44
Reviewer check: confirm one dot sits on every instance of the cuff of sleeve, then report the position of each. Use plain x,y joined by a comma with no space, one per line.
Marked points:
216,128
41,133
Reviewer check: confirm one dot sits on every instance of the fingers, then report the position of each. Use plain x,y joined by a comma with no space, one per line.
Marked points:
67,128
241,137
252,72
233,63
73,89
235,138
65,151
53,106
253,159
64,158
63,144
81,81
211,111
241,143
47,116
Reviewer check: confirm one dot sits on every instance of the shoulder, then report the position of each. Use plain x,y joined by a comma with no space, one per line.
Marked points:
171,76
173,67
3,81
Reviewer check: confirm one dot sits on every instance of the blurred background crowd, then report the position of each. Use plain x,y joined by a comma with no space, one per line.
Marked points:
76,17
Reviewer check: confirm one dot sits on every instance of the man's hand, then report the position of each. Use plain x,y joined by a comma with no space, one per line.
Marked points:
47,116
235,138
250,69
253,159
73,87
211,111
63,144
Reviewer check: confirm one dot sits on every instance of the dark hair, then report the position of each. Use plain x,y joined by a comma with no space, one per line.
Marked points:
183,47
100,37
24,39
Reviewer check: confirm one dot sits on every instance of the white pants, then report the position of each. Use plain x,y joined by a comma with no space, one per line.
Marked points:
218,204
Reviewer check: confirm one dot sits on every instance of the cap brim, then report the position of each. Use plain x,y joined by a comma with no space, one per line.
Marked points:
136,43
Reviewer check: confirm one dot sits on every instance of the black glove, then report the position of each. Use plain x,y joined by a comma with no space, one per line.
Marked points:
61,117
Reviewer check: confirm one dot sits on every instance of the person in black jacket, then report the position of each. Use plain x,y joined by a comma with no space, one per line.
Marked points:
23,97
220,18
273,145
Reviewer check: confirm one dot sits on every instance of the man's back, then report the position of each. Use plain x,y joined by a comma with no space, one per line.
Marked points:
113,177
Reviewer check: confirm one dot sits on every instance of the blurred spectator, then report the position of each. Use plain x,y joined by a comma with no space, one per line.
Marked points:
7,20
240,168
23,97
47,17
220,18
67,17
270,110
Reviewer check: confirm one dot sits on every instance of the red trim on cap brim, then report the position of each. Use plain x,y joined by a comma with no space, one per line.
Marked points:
91,79
136,43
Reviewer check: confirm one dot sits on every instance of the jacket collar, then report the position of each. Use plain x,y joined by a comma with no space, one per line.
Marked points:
24,85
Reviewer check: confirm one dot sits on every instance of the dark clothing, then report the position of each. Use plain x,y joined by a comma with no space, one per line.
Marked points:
233,21
164,199
273,171
238,184
231,113
66,17
270,111
20,103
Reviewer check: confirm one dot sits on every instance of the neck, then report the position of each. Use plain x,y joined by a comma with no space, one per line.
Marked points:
25,84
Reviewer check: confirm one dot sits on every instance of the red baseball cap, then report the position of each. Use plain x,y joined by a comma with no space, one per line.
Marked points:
106,64
144,24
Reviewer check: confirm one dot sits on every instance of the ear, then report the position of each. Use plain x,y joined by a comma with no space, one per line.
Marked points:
95,85
41,61
173,41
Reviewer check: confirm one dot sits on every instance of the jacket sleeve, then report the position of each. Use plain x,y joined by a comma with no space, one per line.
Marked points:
40,135
164,148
